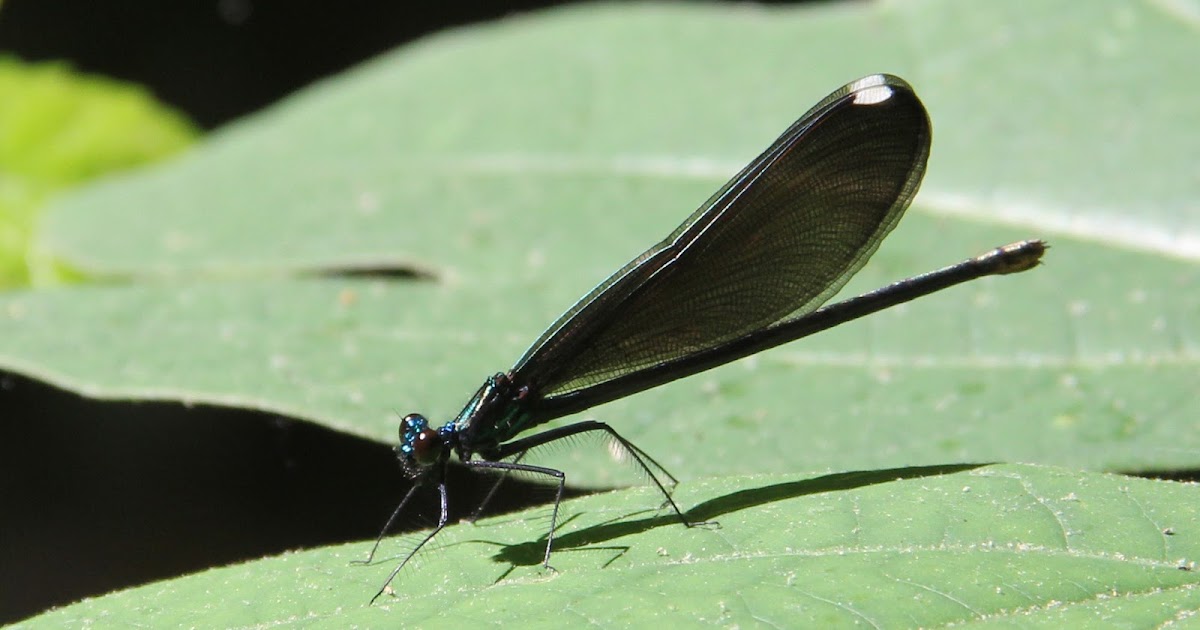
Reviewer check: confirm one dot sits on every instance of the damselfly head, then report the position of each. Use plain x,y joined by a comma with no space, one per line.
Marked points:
421,445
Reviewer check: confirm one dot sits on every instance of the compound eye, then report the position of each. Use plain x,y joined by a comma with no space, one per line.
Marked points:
427,447
412,424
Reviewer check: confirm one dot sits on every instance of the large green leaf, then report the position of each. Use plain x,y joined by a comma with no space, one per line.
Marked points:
518,163
903,548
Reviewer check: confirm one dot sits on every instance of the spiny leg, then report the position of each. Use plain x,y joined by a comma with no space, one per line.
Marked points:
639,456
539,470
391,521
441,524
475,516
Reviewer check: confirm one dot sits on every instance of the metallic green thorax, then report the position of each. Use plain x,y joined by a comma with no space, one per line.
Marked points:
494,415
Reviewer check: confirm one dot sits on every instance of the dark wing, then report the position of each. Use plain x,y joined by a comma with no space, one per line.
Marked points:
776,241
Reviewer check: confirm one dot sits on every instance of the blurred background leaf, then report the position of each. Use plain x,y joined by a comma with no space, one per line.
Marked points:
59,128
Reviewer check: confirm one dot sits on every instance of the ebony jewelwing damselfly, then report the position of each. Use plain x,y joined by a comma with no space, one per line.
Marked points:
746,272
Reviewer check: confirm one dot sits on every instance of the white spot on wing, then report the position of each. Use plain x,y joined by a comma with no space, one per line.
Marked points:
871,90
873,95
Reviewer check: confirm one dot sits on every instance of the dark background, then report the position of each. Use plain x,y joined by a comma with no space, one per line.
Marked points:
221,59
97,496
